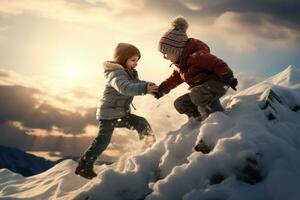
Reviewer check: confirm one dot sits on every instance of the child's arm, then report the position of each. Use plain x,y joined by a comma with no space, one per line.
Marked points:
173,81
170,83
215,65
118,79
222,70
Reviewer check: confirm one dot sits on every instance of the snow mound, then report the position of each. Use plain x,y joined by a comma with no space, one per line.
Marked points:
255,154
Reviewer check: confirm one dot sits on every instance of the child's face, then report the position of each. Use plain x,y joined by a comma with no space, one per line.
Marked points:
170,56
131,62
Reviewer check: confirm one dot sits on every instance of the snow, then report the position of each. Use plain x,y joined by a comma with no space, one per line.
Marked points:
260,125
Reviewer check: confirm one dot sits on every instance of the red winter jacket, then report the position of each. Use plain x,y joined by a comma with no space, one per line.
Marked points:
196,66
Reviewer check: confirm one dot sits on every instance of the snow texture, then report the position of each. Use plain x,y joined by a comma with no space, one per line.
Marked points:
260,127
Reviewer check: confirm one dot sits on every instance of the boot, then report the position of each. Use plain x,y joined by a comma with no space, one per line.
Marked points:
85,170
204,113
215,106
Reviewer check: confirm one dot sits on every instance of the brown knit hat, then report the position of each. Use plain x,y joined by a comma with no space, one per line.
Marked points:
123,51
174,40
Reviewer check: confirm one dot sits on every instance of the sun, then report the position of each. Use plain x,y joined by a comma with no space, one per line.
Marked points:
71,71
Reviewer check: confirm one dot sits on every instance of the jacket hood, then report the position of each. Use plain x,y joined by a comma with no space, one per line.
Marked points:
111,66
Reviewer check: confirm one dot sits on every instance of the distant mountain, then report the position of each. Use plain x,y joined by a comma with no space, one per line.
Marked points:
76,158
23,163
28,164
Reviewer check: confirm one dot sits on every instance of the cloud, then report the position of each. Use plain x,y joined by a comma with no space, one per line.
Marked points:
15,137
242,24
31,121
6,77
18,103
285,14
9,77
87,3
4,74
46,104
251,30
69,10
82,93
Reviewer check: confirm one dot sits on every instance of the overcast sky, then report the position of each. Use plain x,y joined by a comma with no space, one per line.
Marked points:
51,54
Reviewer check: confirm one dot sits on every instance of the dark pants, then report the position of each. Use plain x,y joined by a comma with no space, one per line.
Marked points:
106,128
205,95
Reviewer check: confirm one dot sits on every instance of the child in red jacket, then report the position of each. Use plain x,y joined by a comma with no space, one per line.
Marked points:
208,76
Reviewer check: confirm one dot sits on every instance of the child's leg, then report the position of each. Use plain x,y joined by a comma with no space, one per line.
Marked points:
100,143
134,122
206,96
215,105
184,105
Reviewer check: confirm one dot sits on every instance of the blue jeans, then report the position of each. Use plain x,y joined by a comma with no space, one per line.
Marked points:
106,128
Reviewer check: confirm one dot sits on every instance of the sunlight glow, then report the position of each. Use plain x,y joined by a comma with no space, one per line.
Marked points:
71,71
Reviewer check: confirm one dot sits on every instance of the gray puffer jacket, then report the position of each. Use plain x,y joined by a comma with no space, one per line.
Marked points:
121,85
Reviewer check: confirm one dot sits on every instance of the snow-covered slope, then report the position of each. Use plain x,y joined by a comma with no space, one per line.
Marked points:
21,162
255,154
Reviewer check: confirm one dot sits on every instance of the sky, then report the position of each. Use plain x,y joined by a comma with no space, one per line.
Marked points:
51,55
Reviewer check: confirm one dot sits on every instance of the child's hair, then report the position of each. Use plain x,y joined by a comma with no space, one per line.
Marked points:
124,51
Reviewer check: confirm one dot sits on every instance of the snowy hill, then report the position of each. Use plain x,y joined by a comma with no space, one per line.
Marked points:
254,154
21,162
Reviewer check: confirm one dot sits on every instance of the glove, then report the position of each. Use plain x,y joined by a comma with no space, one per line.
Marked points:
162,90
230,81
233,83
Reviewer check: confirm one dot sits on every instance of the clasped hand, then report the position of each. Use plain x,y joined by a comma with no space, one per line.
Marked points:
152,88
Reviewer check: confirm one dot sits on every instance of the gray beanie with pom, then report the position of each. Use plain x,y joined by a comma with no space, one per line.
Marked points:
174,40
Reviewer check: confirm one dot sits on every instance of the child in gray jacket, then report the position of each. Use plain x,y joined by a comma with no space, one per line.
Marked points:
122,84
